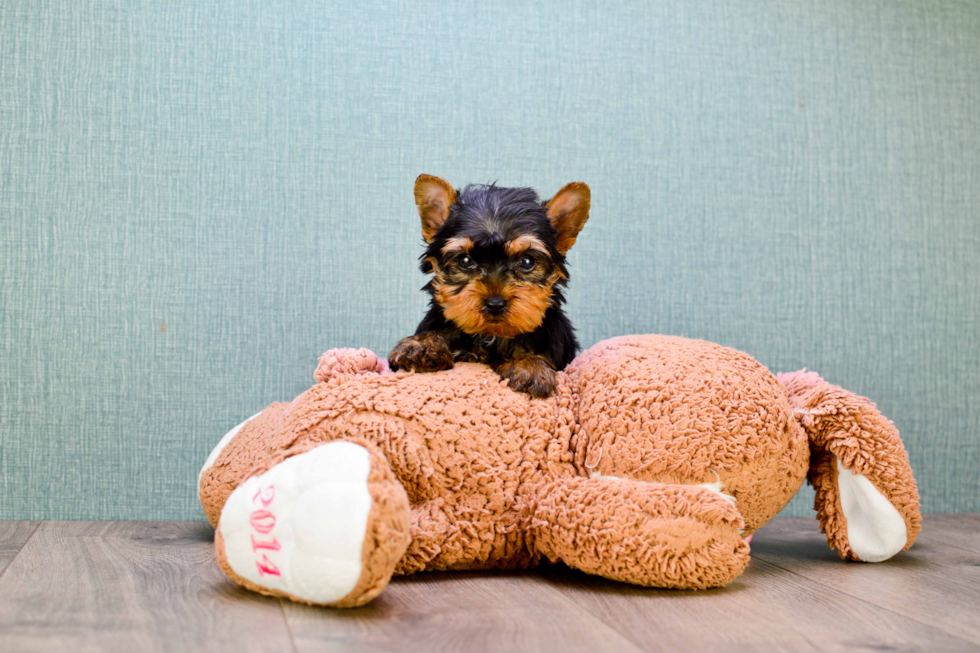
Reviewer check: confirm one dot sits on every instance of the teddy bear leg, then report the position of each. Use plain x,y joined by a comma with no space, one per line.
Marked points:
653,534
326,525
234,457
866,498
434,544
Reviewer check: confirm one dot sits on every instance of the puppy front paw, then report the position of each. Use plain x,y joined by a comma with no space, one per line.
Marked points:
533,375
425,352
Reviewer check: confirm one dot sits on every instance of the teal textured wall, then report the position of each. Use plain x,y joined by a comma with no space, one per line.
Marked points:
197,199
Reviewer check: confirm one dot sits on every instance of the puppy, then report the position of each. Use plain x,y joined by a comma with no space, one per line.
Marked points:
497,259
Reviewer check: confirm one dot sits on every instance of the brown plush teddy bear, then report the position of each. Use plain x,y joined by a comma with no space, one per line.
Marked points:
652,463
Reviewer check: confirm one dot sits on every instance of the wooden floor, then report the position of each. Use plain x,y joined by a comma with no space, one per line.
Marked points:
145,586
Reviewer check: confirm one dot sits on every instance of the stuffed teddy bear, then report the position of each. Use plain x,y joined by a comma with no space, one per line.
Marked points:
652,463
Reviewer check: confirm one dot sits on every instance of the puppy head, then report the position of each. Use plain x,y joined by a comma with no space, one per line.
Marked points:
497,254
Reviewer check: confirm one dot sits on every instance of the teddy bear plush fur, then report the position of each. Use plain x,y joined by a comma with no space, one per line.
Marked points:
652,463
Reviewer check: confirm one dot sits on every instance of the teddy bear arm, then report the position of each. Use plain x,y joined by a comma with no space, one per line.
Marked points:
652,534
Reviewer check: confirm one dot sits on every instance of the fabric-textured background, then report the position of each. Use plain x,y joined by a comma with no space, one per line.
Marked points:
197,199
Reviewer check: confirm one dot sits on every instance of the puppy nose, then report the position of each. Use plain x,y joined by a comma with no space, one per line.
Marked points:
495,305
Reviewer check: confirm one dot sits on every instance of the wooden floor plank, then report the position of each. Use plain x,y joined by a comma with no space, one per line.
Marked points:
962,530
934,583
13,536
765,609
148,586
130,586
475,612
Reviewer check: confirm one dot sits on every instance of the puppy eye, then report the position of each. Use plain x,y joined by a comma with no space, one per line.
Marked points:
465,263
527,263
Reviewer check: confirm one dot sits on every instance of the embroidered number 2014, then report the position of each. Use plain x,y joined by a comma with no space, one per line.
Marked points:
263,521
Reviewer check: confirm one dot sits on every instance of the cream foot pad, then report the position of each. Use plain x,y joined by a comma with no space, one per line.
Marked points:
299,528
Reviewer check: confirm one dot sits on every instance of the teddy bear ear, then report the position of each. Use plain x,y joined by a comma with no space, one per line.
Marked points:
345,362
433,197
568,210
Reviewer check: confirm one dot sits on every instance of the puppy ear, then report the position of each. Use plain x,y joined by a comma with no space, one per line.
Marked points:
568,210
433,196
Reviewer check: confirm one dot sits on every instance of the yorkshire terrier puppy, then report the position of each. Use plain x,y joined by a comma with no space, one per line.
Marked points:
497,256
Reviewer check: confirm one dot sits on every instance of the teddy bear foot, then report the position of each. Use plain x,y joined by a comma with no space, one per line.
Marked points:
322,527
